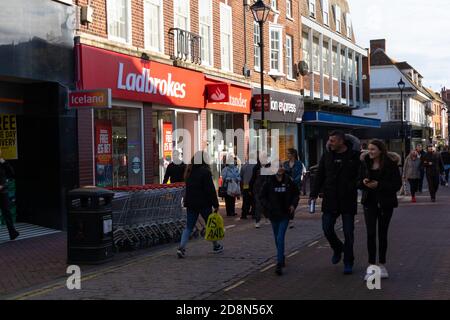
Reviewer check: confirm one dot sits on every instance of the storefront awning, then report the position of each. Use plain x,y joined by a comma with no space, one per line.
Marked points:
343,120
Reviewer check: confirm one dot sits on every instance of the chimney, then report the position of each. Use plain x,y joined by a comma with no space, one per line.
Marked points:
378,44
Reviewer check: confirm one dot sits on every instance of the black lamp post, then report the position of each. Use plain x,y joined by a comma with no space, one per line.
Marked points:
260,13
401,86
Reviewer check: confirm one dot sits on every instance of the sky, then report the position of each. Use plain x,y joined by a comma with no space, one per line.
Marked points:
417,31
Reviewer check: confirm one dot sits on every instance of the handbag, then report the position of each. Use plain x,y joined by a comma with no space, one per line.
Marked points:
233,189
215,229
222,192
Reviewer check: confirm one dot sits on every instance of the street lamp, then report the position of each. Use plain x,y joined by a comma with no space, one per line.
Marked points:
260,12
401,86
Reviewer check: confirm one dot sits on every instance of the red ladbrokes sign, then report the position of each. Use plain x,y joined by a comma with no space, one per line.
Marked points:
135,79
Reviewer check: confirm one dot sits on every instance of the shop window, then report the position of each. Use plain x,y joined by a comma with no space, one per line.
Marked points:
118,147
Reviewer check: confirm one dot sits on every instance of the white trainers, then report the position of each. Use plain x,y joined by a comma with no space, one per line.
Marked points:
257,225
384,272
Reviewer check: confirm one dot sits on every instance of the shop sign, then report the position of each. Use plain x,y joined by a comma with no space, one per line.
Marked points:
283,107
239,98
8,136
218,92
135,79
99,98
103,153
257,103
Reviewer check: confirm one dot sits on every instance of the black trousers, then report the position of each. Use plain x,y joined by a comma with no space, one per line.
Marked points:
4,206
377,217
433,184
230,204
422,176
247,203
414,186
348,225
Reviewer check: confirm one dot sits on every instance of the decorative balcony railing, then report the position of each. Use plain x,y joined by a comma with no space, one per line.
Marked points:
185,46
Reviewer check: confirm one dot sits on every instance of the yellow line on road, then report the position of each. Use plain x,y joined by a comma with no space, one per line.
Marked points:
234,286
47,289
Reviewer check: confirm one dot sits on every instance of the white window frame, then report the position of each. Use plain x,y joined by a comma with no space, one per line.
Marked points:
274,5
338,14
279,29
348,24
289,57
188,16
316,56
128,39
326,12
312,8
289,9
229,32
256,49
326,59
159,3
209,63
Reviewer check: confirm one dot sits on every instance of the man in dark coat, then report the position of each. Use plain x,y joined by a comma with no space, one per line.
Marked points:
175,170
337,179
6,171
434,167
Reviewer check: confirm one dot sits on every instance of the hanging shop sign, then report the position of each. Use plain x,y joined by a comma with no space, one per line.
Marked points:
99,98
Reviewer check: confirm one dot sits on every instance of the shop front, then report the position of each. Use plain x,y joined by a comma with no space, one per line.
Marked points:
283,112
227,108
132,143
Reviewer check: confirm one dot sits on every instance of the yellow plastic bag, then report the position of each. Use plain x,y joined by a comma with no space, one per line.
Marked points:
215,229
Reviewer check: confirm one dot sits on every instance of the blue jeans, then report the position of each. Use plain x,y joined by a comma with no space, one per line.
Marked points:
192,217
279,231
348,221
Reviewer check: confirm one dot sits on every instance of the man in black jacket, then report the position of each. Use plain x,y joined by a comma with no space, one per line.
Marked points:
5,172
434,167
175,170
337,180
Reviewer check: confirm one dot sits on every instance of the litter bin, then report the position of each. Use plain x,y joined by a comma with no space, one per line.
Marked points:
89,233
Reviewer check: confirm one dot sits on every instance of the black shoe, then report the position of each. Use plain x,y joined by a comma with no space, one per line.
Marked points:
181,253
348,269
279,270
218,249
336,258
13,235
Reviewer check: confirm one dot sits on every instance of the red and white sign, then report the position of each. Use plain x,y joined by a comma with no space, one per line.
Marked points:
100,98
218,92
167,141
136,79
239,98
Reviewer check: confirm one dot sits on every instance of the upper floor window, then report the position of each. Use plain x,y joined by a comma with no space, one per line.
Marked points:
395,110
181,17
274,4
326,12
118,14
306,49
289,58
348,23
276,49
206,25
289,8
316,55
226,37
326,59
337,13
335,63
153,25
312,8
256,50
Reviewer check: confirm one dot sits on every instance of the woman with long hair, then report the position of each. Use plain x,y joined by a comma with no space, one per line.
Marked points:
200,199
411,172
380,181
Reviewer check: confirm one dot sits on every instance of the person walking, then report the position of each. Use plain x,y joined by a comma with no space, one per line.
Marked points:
411,173
280,196
247,197
420,154
175,170
256,185
446,160
379,181
434,167
294,168
200,199
337,177
6,171
230,174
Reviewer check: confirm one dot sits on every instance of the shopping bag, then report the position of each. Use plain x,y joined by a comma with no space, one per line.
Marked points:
233,189
404,191
215,229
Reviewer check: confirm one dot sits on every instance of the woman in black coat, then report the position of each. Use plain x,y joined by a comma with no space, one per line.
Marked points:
380,181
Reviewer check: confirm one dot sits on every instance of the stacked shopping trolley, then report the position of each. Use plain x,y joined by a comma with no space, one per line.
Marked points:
145,216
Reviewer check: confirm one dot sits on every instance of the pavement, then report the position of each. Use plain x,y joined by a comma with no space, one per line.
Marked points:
418,262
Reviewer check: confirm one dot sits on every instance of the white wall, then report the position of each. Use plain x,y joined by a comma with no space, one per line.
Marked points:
382,77
376,110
